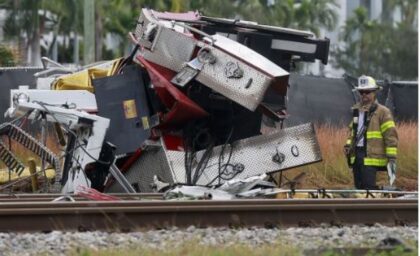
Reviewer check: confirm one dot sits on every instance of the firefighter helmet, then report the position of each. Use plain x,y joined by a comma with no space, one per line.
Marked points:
367,83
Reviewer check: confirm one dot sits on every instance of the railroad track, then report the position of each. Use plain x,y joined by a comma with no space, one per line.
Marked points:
146,212
4,198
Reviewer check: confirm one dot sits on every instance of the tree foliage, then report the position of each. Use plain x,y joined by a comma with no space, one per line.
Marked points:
379,49
313,15
6,57
23,21
28,18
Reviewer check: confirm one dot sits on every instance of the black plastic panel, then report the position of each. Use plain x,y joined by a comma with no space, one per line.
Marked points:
122,98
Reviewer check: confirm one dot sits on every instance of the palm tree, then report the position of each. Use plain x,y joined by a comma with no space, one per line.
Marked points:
120,16
356,34
402,59
23,21
282,13
407,8
179,6
216,8
307,15
313,15
254,10
67,15
378,49
123,20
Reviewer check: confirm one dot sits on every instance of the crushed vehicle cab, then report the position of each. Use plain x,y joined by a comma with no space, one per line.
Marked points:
185,107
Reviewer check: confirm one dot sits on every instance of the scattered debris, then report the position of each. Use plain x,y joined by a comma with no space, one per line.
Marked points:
182,112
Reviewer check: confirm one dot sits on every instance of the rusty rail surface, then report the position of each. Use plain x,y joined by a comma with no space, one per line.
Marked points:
20,197
132,215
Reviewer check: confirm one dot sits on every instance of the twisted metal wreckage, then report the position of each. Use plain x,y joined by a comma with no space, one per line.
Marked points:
186,107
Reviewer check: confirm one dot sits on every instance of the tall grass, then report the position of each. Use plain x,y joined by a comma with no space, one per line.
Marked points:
333,171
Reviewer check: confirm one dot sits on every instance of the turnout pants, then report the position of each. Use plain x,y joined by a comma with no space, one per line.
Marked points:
364,176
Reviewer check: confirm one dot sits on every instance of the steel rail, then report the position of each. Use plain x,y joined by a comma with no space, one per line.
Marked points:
52,196
140,202
135,215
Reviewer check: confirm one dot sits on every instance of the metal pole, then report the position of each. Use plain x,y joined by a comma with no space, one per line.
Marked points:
44,127
89,31
76,34
121,179
32,171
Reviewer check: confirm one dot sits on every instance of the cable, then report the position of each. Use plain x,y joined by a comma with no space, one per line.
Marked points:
43,105
204,160
186,162
223,151
219,176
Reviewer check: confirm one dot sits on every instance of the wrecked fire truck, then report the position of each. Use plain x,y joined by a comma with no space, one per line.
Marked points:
186,107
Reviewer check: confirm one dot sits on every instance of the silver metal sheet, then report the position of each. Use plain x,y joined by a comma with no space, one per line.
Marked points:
298,145
238,73
249,56
152,161
144,20
169,48
253,155
247,89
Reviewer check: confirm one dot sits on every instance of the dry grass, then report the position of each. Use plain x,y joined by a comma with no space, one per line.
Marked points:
333,172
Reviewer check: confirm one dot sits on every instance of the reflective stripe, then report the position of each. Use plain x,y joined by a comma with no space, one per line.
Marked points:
391,151
374,135
375,161
385,126
348,142
352,159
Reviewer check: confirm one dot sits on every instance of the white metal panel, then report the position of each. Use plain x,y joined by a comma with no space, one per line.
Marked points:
76,99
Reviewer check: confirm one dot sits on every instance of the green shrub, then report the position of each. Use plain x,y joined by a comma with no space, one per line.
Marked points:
6,56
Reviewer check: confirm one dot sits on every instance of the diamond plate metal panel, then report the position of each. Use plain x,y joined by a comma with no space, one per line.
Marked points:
247,89
172,50
249,56
269,153
169,48
150,163
142,24
281,150
237,72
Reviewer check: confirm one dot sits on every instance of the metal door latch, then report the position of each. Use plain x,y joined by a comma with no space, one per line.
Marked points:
192,68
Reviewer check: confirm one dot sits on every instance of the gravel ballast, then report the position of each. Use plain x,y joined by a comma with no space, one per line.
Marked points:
60,243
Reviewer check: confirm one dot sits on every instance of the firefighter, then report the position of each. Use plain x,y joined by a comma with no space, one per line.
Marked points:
372,144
